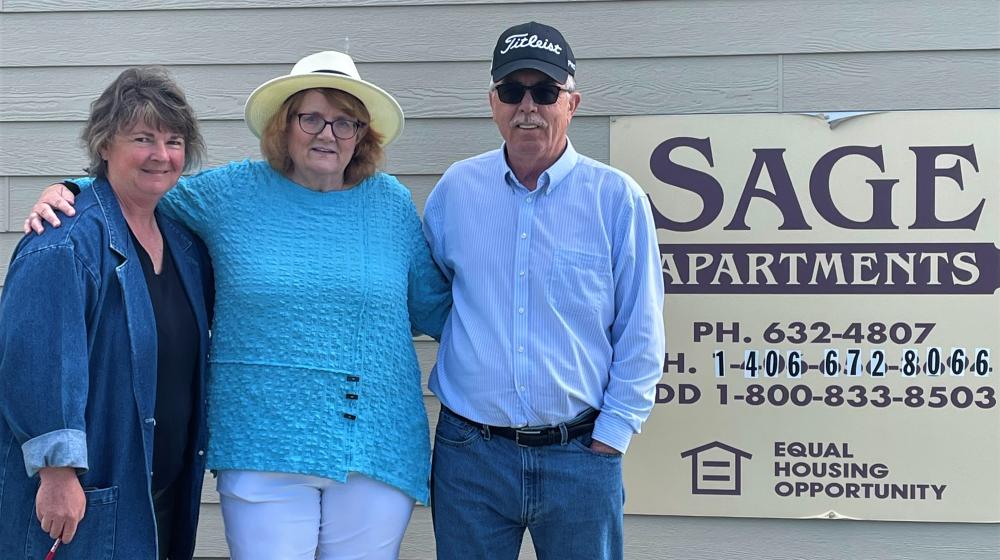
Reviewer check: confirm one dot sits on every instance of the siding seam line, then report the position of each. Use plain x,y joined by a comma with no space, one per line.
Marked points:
6,188
781,83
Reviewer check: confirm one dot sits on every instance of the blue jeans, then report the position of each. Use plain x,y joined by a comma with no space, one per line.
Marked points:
486,490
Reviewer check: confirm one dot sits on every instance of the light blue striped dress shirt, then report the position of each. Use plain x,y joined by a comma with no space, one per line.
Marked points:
558,295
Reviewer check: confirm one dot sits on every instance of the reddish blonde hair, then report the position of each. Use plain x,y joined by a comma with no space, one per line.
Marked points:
368,153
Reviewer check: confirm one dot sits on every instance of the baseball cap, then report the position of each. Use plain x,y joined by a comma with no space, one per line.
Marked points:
536,46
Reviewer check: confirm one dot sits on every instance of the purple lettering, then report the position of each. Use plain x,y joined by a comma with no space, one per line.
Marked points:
819,189
783,196
698,182
927,173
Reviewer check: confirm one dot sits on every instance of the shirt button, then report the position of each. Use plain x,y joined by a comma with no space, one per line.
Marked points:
520,348
520,310
201,452
524,236
528,200
520,273
521,388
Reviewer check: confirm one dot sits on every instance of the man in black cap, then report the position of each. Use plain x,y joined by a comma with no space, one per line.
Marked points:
549,360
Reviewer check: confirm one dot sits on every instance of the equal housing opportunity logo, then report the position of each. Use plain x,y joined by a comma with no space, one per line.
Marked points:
803,470
716,469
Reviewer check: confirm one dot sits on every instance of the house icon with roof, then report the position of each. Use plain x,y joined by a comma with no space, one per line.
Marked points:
716,469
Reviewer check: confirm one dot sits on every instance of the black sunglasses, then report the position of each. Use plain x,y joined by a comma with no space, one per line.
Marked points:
543,94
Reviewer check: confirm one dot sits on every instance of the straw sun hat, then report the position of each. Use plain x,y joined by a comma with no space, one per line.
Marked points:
327,69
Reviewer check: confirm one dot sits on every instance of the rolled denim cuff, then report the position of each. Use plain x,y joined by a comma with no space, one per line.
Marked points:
612,430
60,448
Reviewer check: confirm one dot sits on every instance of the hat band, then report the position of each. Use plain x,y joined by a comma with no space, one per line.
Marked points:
331,72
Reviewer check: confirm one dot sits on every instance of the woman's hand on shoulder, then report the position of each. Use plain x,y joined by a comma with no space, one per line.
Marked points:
54,197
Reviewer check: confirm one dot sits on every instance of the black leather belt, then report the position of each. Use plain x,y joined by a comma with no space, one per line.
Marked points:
537,437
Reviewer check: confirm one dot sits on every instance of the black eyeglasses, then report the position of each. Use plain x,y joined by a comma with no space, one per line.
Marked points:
314,123
543,94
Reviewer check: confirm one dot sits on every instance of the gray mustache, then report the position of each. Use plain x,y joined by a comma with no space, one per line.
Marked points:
539,123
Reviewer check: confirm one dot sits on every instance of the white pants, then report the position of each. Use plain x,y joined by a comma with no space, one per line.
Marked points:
278,516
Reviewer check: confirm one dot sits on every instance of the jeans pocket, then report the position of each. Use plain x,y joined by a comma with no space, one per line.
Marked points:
579,283
453,431
583,442
95,535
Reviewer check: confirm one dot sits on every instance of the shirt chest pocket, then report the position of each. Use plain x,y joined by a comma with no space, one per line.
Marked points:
579,282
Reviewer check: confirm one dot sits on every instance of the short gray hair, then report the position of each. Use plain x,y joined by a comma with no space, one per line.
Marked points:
142,94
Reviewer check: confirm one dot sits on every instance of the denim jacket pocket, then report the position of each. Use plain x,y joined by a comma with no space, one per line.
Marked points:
579,282
452,431
95,536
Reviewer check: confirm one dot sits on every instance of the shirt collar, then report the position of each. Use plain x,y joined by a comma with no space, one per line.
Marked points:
552,177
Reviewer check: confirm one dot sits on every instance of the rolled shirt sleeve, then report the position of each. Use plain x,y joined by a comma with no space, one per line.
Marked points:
44,372
58,448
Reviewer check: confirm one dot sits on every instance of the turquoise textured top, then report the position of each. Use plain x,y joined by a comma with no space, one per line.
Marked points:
312,365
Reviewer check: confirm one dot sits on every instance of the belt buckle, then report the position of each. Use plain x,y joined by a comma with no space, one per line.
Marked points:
519,433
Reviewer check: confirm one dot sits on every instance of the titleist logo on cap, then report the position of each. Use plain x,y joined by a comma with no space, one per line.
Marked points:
521,40
533,46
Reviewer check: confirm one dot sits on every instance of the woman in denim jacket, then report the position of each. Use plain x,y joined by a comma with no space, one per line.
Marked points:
103,341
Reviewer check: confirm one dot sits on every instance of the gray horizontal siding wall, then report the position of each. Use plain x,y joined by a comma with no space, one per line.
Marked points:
641,57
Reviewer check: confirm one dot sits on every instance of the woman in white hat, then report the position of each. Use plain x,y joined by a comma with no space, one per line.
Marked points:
316,417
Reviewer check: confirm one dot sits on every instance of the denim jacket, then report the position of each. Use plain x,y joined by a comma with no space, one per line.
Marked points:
78,383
